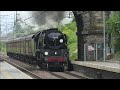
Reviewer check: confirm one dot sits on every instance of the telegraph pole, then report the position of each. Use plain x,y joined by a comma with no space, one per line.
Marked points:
15,21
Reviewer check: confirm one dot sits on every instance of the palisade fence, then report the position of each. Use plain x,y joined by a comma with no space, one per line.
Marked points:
93,51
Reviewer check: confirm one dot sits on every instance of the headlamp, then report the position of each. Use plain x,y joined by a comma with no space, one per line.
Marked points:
46,53
61,40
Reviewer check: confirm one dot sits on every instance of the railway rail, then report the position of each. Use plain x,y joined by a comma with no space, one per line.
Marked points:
37,73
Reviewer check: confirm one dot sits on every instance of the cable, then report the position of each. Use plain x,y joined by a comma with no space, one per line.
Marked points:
33,15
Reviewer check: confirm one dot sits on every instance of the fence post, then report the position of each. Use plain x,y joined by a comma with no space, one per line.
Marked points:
85,52
96,52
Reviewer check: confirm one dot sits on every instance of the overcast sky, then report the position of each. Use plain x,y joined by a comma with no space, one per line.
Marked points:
7,21
8,17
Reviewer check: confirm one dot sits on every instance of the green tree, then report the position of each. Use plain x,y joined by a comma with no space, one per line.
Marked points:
70,30
19,31
22,31
114,29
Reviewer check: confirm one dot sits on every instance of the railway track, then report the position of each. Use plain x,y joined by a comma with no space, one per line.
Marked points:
70,75
64,75
37,73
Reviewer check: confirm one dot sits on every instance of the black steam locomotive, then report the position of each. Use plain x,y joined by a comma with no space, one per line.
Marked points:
48,48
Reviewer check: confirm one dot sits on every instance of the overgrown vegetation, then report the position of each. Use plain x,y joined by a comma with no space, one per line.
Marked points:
114,29
117,55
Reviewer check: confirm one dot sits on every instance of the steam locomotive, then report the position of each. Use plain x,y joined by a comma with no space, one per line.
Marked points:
48,48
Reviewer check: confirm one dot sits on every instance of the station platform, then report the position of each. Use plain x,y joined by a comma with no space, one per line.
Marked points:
113,67
97,69
7,71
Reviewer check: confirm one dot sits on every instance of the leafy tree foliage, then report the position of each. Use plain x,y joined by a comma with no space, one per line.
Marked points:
114,29
22,31
70,30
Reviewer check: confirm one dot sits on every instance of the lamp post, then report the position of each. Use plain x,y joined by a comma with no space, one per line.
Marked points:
0,30
104,50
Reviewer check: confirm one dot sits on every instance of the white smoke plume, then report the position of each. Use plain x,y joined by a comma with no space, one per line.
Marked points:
44,19
48,19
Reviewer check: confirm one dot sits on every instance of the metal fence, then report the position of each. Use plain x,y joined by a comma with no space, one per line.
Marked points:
93,52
